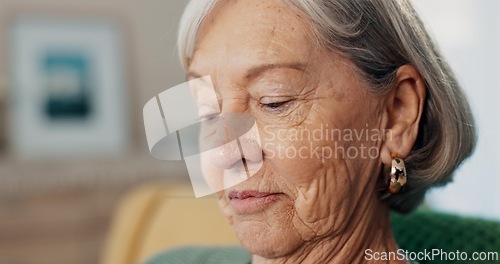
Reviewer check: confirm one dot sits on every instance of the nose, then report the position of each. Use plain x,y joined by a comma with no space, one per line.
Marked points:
241,147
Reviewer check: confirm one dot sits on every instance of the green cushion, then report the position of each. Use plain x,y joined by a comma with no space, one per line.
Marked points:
205,255
428,230
417,232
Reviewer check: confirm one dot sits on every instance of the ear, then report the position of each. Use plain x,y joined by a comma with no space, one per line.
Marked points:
404,106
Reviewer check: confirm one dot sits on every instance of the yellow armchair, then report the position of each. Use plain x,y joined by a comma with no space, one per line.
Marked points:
153,218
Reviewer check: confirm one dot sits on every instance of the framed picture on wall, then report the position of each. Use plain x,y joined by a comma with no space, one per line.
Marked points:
68,86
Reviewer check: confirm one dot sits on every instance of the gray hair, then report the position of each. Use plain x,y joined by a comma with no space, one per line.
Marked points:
379,36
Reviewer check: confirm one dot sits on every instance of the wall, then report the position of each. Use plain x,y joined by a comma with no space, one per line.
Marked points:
58,210
467,32
151,28
152,66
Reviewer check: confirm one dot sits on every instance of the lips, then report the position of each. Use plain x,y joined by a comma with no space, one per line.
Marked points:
247,194
249,202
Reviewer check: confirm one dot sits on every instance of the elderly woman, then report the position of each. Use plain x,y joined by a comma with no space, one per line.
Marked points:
393,121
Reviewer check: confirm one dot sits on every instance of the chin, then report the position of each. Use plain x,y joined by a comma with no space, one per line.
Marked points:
269,239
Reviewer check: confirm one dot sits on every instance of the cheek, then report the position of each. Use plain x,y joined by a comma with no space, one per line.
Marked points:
314,162
323,206
320,183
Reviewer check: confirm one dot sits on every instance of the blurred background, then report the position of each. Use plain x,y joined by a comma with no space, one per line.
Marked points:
74,76
467,32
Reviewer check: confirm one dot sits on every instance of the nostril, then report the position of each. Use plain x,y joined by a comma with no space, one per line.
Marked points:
251,151
238,153
244,163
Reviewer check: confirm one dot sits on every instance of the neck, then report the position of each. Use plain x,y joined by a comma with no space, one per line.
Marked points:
369,231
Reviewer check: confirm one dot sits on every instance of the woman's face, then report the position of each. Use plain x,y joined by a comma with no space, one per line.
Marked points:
318,127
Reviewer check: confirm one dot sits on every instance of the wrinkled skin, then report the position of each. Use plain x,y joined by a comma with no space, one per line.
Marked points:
328,209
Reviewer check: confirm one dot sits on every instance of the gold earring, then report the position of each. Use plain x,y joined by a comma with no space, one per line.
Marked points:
398,175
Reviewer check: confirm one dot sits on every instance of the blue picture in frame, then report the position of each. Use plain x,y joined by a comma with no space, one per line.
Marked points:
68,86
69,89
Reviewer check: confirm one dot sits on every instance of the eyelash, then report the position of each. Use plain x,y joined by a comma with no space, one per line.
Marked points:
208,117
276,106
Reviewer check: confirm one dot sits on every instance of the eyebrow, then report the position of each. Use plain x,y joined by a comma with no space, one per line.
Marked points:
254,72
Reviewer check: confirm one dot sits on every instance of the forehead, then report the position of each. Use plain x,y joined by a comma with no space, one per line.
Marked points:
248,32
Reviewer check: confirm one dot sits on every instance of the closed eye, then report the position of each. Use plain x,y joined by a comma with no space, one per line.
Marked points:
208,117
275,105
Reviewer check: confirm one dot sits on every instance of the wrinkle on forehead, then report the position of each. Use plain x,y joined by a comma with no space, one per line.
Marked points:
262,30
